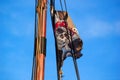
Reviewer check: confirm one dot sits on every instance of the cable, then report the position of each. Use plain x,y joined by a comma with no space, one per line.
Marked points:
65,5
61,5
76,69
34,54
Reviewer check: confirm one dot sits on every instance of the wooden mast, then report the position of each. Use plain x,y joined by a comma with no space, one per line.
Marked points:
40,40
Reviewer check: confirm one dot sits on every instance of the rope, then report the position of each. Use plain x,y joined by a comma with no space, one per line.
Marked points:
33,67
65,5
61,5
76,69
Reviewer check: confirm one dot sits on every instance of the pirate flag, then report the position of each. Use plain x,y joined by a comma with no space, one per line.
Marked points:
67,39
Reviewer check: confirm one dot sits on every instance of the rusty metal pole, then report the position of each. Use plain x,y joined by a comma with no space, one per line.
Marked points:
41,11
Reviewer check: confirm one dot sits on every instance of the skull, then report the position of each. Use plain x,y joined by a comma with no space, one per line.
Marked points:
61,36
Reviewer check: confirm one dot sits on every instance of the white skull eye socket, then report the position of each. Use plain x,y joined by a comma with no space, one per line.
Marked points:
59,30
62,36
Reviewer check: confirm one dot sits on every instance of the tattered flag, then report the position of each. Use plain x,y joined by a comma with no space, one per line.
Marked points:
67,37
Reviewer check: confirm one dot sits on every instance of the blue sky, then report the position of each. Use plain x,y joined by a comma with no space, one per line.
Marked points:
98,23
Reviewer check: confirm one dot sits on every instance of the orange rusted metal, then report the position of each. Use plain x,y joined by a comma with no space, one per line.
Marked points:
41,40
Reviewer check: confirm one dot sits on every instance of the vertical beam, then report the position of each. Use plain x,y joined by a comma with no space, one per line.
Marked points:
41,11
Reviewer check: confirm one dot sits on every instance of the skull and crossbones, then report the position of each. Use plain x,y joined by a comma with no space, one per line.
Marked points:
61,36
